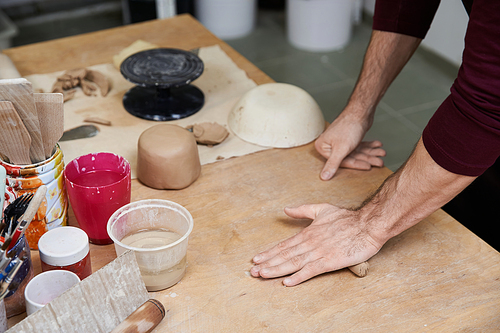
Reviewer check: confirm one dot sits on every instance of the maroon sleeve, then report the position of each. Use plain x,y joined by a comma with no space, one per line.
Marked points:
408,17
463,136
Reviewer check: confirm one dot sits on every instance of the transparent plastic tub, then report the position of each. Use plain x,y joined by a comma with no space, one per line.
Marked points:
157,231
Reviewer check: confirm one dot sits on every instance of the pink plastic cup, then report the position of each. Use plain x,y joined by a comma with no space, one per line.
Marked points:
97,184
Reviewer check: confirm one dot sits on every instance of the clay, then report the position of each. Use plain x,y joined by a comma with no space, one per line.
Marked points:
167,157
97,120
278,115
99,79
68,94
137,46
88,87
209,133
87,79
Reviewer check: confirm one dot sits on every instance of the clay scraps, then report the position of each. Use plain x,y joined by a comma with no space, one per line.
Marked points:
208,133
89,80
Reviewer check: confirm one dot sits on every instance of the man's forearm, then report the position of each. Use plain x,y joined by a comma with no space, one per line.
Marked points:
386,55
415,191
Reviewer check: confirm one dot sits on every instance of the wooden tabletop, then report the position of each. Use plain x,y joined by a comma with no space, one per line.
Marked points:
436,276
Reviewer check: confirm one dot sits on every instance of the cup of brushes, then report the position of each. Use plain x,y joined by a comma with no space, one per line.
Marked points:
16,268
30,126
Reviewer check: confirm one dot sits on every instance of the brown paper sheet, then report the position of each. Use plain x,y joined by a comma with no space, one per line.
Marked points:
222,82
97,304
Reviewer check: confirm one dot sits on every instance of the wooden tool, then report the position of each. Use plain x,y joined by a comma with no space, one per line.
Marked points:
15,140
50,110
361,269
20,93
144,319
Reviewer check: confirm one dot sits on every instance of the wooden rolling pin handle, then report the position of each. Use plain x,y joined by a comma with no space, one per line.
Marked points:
360,270
144,319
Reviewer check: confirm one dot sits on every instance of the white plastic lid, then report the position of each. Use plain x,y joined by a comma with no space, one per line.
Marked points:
63,246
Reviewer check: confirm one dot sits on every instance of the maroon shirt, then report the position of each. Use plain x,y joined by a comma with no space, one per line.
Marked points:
463,136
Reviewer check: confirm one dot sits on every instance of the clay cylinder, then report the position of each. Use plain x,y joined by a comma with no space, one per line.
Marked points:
144,319
167,157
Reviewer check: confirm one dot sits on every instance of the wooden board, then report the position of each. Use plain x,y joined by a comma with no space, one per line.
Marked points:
436,276
99,303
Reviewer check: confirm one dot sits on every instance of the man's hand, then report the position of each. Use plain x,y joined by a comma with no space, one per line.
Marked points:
334,240
341,145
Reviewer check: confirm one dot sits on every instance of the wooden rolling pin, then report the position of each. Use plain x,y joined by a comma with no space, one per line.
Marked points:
360,270
144,319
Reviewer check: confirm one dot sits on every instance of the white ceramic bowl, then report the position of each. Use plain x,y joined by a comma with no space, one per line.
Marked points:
277,115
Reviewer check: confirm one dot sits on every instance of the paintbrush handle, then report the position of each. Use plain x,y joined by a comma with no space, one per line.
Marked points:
34,204
29,214
17,233
9,268
4,286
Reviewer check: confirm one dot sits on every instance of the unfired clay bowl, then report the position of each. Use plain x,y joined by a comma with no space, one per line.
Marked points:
277,115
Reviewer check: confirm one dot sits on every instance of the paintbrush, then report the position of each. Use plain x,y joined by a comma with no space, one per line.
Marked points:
11,266
24,221
6,257
7,284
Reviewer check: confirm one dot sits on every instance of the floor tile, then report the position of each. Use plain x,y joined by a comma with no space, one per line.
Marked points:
333,100
397,138
305,71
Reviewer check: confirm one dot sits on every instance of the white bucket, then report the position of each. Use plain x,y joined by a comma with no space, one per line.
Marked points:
227,19
319,25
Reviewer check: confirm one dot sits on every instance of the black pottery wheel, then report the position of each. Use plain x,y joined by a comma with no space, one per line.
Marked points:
162,78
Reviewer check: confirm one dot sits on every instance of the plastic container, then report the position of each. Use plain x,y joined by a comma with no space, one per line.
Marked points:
46,286
14,300
162,261
23,179
319,25
227,19
97,184
66,248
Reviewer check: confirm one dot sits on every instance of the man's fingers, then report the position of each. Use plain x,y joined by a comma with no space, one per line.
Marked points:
331,166
372,144
303,212
354,163
292,265
275,250
376,161
309,270
373,151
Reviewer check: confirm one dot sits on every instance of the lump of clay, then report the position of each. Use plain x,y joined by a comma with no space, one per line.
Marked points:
209,133
137,46
167,157
85,78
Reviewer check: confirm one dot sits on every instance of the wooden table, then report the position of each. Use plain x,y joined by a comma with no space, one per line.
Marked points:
436,276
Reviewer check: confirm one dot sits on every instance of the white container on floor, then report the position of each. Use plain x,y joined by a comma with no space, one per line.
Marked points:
319,25
227,19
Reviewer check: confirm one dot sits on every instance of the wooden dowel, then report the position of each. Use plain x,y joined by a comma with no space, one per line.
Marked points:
360,270
144,319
